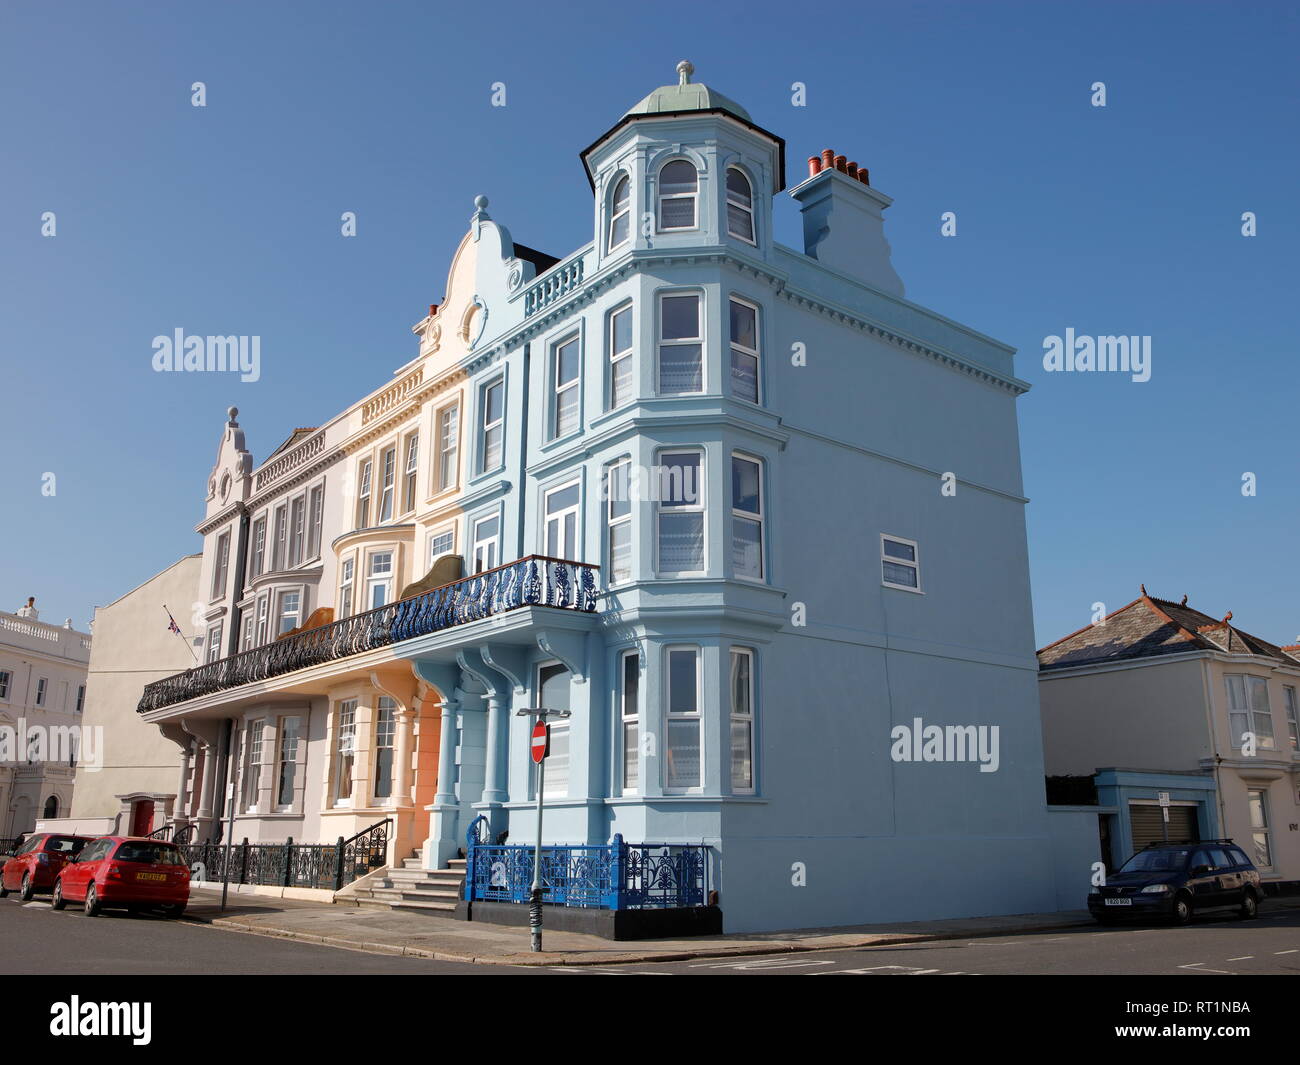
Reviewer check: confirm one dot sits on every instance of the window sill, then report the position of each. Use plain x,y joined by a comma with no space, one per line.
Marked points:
556,443
901,588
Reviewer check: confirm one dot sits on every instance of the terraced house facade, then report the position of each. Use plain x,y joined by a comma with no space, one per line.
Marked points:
742,509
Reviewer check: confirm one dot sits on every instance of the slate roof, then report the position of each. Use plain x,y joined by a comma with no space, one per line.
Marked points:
1149,627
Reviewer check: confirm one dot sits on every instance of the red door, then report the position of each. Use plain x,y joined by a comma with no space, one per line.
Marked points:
142,817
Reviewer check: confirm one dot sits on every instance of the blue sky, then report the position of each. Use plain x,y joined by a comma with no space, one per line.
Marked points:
225,219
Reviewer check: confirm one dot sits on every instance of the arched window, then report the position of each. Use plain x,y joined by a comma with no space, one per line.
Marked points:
620,219
51,807
740,206
678,185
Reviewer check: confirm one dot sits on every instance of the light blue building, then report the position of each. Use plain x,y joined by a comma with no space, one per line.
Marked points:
748,514
853,558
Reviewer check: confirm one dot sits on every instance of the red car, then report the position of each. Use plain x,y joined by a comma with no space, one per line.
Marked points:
37,862
128,871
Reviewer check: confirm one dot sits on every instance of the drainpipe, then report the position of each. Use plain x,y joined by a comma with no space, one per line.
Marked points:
1214,745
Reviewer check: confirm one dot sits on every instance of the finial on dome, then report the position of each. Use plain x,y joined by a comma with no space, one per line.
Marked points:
480,202
684,71
233,413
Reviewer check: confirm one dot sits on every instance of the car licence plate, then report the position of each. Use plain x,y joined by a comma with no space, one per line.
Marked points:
151,876
1119,902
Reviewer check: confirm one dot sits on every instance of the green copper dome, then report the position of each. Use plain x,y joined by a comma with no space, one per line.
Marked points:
687,95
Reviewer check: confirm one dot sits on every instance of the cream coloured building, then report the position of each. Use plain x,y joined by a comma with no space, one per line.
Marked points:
1159,686
42,694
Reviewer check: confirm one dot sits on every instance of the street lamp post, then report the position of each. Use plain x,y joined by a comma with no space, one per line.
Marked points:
541,747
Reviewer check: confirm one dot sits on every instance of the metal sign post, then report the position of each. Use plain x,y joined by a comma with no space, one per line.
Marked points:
541,747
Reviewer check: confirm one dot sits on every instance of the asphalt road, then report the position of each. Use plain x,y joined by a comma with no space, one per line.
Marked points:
36,940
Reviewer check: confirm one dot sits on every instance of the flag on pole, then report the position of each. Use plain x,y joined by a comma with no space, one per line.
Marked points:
173,627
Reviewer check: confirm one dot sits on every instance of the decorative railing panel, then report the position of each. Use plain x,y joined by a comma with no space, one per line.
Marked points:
532,581
611,876
315,865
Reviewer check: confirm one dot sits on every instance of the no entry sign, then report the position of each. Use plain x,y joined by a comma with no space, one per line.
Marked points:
541,741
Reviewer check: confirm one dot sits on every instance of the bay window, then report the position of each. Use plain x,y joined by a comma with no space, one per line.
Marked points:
385,733
744,350
345,749
412,471
363,494
619,345
678,186
387,485
316,510
288,761
618,521
683,760
742,720
290,612
620,218
740,206
629,721
561,507
379,584
1248,710
747,516
680,519
553,693
487,534
681,366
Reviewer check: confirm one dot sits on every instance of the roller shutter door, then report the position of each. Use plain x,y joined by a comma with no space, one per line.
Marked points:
1148,826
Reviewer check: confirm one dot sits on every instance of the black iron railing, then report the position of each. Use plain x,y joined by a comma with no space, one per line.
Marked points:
532,581
315,865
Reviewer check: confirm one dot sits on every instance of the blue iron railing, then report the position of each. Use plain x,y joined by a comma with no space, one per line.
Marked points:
532,581
612,876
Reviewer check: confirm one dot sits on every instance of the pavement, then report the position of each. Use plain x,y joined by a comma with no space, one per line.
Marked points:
420,935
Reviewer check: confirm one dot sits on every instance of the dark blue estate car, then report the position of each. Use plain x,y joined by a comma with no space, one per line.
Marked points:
1179,879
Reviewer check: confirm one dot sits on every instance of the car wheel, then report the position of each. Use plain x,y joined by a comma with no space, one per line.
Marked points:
93,908
1182,910
58,902
175,910
27,890
1249,906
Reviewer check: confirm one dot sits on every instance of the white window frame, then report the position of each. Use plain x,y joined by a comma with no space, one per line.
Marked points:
286,756
411,473
1265,738
697,341
698,507
347,587
315,520
748,719
280,615
447,426
214,644
914,563
254,741
376,580
448,531
752,239
560,390
696,715
618,522
1263,831
81,699
759,518
345,747
280,537
560,731
385,704
629,713
257,559
621,179
488,427
263,619
388,485
734,348
297,530
221,565
246,637
564,550
661,197
619,356
492,542
365,476
42,689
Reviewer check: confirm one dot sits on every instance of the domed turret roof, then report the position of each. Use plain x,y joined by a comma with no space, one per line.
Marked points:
687,95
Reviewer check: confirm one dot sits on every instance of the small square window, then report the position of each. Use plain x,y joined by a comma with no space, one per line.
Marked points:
900,564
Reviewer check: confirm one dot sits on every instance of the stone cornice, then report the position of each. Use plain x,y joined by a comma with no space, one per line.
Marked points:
302,475
409,399
225,514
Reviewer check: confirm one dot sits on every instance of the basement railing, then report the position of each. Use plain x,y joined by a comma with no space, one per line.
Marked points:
532,581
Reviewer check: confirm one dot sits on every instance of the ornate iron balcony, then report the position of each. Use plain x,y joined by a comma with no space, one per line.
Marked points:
532,581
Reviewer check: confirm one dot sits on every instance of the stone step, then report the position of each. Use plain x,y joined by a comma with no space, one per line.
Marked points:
422,876
449,891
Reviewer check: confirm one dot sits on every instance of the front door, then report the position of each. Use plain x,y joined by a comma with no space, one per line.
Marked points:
142,817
